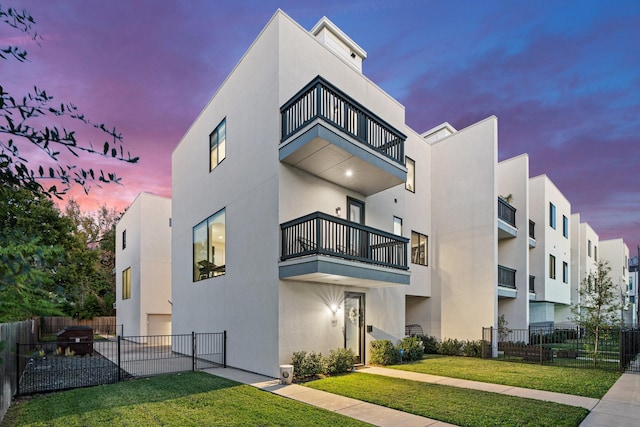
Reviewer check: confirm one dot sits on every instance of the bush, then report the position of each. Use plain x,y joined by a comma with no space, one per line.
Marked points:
383,353
450,347
412,348
339,361
307,365
430,344
472,348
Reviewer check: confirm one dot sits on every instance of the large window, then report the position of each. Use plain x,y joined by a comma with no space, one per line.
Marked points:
411,175
552,267
218,145
565,272
565,226
419,244
209,247
552,215
126,283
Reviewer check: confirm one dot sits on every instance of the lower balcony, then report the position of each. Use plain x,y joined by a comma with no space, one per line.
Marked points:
326,249
506,282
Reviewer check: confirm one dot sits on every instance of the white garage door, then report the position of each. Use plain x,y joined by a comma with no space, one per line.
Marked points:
158,324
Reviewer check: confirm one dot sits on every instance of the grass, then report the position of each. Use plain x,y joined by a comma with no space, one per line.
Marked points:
577,381
188,399
463,407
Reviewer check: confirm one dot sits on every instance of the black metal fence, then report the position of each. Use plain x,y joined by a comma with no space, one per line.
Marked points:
10,334
46,367
616,349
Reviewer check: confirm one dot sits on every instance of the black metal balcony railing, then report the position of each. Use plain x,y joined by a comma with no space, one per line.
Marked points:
532,284
506,212
532,229
322,234
320,99
506,277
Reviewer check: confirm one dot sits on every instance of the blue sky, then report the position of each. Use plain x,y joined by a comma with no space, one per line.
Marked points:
563,78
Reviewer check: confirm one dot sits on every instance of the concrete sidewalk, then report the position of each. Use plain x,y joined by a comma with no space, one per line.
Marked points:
620,407
363,411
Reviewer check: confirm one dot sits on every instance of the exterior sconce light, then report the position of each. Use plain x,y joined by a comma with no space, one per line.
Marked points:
334,309
338,213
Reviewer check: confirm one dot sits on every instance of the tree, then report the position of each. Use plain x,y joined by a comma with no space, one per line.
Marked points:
598,309
23,126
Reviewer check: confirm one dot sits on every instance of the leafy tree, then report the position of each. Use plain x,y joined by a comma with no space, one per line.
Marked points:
598,309
24,125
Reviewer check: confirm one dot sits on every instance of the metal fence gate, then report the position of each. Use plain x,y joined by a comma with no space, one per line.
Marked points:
630,350
48,366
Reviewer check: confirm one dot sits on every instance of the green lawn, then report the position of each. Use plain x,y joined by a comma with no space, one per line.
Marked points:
454,405
576,381
188,399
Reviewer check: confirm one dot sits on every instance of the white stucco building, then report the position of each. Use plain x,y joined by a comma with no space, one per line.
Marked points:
143,267
616,253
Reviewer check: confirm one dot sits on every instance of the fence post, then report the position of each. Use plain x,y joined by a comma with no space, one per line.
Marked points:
17,369
118,357
193,351
224,349
622,352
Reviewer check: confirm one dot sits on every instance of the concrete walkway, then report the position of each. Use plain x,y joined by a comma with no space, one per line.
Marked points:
363,411
620,407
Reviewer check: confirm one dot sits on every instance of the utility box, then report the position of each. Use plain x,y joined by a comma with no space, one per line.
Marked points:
78,339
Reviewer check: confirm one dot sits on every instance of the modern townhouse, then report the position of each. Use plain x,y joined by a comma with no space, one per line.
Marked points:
143,267
616,253
549,261
308,216
584,243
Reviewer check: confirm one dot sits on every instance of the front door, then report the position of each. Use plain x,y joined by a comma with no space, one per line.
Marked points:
354,324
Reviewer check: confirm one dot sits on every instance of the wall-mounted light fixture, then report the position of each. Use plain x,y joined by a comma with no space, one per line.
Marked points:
334,308
338,211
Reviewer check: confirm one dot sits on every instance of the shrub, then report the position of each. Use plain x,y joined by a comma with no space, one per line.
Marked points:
307,365
472,348
340,360
450,347
430,344
383,353
412,348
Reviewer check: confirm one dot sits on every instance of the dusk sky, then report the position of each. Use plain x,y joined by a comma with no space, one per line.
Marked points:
563,78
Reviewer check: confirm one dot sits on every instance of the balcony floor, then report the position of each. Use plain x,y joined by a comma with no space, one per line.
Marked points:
329,154
338,271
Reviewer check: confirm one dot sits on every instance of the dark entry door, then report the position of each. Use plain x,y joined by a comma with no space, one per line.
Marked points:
354,311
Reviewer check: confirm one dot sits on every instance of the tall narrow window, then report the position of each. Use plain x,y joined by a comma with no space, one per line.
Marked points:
126,283
411,175
589,248
565,272
552,267
419,243
397,226
552,215
595,252
209,247
565,226
218,145
124,239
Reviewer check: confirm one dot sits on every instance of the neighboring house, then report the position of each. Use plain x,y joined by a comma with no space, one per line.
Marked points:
143,267
616,253
550,260
584,244
633,289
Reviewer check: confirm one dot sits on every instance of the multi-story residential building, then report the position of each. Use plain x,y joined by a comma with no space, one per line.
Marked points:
549,261
616,253
317,217
584,242
143,267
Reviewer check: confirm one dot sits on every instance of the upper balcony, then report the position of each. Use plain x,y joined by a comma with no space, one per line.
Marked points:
506,220
532,234
327,249
328,134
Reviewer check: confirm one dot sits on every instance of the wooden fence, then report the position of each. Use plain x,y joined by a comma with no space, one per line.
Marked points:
102,325
10,334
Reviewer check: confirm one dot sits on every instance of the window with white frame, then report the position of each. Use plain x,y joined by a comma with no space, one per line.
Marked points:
209,247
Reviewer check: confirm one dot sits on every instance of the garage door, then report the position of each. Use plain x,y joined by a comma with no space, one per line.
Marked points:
158,324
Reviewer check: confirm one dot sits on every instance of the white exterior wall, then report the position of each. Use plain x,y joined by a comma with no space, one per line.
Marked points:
513,178
550,241
148,254
616,253
464,240
583,263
